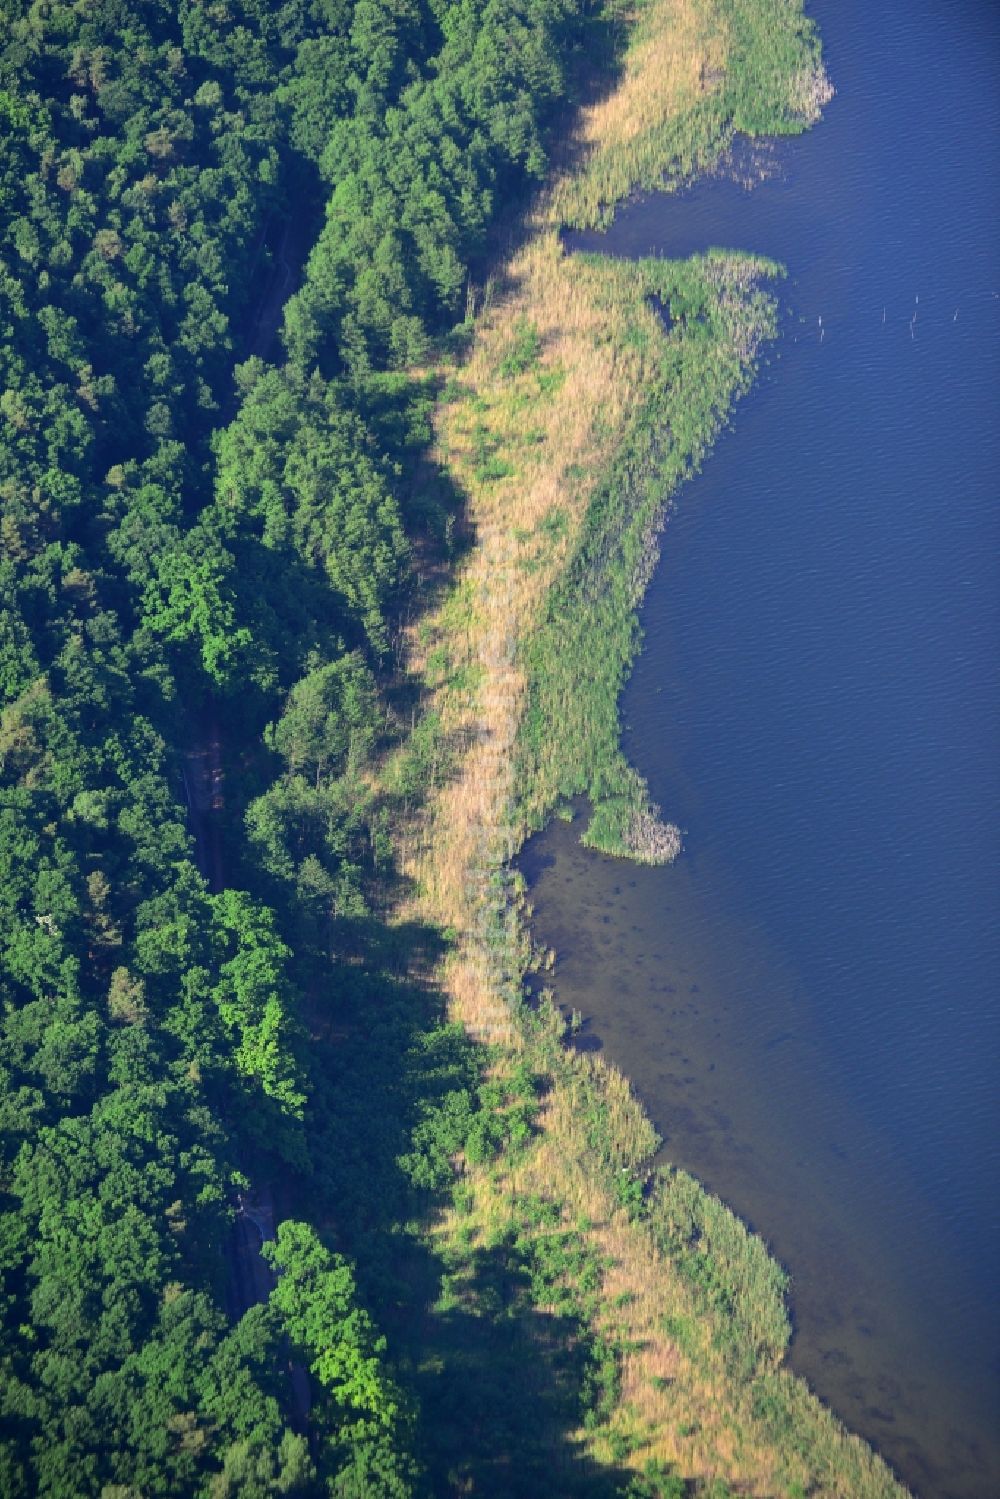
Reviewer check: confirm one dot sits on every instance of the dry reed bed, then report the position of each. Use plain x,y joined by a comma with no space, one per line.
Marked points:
527,447
593,374
677,48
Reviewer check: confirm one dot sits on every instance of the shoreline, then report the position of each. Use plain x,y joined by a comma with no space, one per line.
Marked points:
545,431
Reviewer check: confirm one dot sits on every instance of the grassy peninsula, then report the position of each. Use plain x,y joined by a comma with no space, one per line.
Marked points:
303,574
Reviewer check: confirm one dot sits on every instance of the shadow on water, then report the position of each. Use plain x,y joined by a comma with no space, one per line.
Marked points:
807,1000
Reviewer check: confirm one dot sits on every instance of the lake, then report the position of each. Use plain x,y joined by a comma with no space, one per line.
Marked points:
807,1001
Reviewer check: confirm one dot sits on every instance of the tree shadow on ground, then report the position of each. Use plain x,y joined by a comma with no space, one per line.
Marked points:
500,1384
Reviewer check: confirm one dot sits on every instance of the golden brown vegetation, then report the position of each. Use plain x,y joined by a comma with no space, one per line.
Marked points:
531,424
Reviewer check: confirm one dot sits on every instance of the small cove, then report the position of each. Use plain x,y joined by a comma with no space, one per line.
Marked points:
806,1002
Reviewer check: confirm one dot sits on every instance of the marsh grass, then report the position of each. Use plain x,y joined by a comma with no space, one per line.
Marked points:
574,415
697,72
585,638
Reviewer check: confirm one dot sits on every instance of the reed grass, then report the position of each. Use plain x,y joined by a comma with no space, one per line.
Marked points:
585,638
567,427
694,76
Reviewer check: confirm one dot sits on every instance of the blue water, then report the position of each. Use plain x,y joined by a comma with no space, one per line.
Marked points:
809,1000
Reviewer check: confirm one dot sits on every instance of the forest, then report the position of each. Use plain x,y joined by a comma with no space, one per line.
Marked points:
209,528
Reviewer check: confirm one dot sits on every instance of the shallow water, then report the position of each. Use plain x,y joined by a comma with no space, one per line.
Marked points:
807,1000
